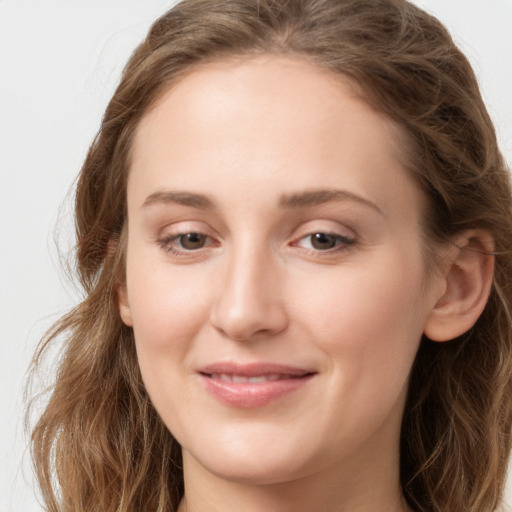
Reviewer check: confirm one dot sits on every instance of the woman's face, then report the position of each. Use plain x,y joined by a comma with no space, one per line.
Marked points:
275,280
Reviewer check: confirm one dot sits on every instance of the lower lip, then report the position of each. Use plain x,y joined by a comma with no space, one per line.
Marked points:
252,394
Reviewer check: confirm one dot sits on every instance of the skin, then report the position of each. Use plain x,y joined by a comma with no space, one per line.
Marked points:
245,135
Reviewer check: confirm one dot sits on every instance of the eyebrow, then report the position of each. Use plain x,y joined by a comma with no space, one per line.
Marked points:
303,199
317,197
191,199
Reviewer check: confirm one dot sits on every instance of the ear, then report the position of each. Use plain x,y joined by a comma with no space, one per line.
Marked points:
467,274
124,306
122,293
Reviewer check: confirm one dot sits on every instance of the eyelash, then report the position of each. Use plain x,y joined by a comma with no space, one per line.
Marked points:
168,243
342,243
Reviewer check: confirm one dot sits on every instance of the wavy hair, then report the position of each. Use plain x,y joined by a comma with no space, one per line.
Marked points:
99,444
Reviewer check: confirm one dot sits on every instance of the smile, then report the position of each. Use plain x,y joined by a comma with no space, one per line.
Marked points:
255,385
237,379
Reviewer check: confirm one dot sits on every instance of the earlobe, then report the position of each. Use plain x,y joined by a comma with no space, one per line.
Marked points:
124,306
467,278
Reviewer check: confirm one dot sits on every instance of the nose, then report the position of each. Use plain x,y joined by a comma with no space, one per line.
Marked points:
249,304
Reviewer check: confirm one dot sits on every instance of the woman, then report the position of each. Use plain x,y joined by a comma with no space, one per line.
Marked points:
294,237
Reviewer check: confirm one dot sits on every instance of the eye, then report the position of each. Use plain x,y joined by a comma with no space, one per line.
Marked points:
183,243
324,241
191,241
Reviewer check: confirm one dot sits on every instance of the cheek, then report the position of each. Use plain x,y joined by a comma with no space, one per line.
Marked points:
368,319
168,306
168,311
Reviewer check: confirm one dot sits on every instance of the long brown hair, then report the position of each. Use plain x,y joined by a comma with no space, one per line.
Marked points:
99,444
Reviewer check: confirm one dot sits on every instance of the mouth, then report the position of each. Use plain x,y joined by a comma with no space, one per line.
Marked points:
238,379
253,385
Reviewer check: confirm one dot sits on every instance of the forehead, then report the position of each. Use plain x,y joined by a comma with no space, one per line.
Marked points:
270,117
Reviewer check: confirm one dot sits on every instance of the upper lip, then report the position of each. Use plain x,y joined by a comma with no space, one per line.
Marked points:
253,369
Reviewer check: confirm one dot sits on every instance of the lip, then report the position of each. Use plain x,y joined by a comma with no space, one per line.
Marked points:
252,385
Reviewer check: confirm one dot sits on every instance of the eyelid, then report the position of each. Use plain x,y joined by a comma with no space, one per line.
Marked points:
342,242
346,238
330,227
169,237
183,227
170,234
169,245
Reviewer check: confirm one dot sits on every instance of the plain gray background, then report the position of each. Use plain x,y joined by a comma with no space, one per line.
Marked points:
59,63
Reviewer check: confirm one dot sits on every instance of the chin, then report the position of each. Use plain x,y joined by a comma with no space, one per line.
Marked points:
253,463
259,471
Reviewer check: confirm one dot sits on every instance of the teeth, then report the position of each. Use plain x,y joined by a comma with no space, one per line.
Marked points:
242,378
